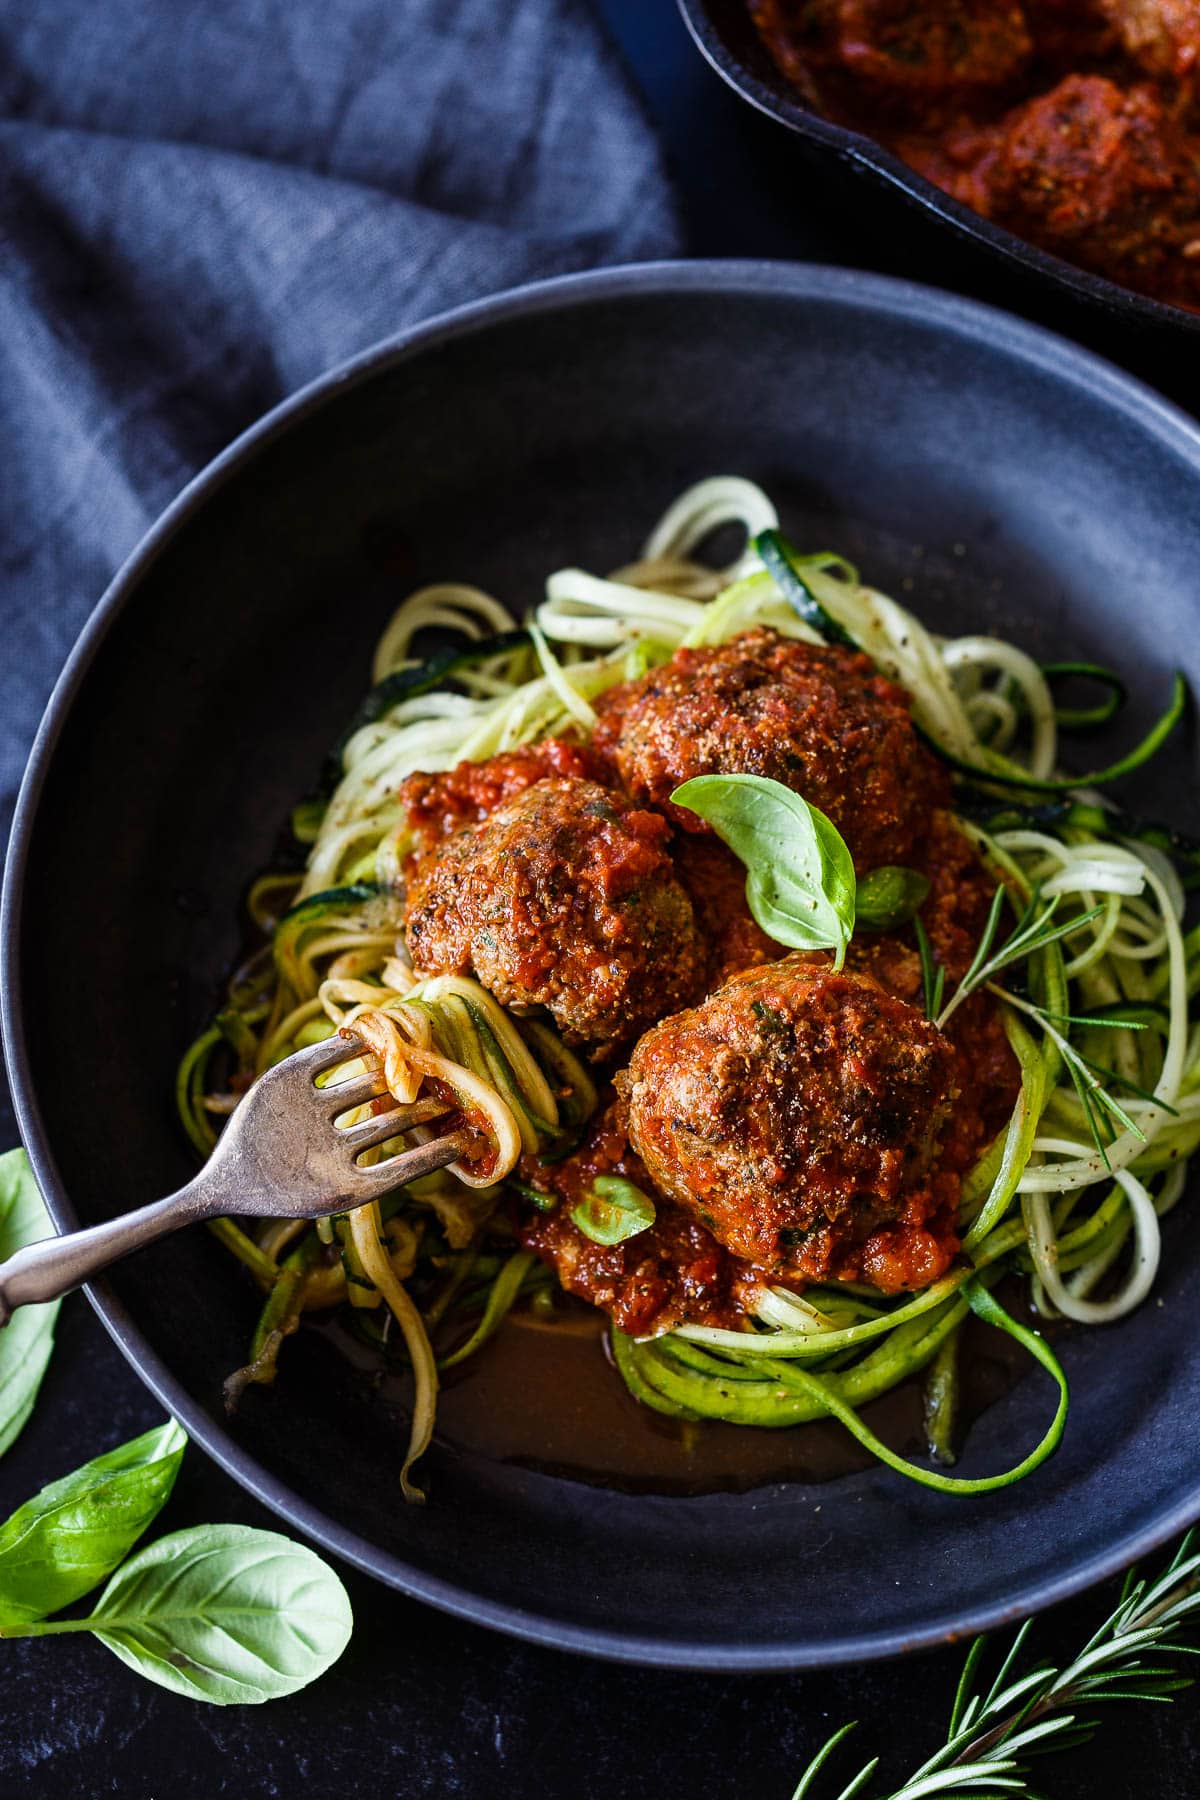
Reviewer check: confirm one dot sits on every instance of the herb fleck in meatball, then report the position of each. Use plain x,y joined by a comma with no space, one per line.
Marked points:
797,1112
563,897
813,716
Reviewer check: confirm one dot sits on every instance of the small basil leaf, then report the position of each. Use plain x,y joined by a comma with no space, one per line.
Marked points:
889,896
25,1343
64,1541
613,1210
800,883
225,1613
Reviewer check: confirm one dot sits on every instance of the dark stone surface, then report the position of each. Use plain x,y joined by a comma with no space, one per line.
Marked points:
421,1705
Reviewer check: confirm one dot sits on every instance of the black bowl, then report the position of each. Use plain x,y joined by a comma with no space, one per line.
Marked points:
1136,329
990,474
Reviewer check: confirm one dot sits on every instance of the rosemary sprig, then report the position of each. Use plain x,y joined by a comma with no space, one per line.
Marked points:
1034,930
1102,1112
993,1735
933,975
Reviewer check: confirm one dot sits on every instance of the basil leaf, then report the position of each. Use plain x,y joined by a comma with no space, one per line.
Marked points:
225,1613
26,1342
889,896
612,1210
800,883
60,1544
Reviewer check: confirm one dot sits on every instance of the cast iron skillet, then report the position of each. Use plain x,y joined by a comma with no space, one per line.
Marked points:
992,475
725,34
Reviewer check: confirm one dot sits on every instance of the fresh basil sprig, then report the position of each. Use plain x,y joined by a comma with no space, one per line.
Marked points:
26,1342
800,882
60,1544
612,1210
222,1613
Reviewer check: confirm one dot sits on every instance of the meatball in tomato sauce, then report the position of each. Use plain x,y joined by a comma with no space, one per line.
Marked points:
1100,174
798,1112
564,897
945,51
438,804
814,716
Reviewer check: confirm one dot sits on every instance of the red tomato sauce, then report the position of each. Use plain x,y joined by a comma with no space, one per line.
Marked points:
672,1273
440,804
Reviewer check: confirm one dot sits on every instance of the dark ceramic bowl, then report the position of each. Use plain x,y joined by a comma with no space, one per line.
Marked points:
1134,324
992,475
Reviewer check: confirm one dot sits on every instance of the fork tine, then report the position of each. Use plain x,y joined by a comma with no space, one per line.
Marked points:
410,1165
377,1130
342,1095
315,1059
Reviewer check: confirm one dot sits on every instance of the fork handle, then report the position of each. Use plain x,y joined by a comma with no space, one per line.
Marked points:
54,1266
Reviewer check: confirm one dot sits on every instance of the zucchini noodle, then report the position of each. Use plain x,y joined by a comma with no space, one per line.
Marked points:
1074,1214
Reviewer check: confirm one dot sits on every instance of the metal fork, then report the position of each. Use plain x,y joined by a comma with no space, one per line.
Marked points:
280,1156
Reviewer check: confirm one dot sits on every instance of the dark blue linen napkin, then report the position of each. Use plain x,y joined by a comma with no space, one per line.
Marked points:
205,203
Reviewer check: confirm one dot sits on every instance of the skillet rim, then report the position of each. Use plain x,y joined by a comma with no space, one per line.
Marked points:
770,94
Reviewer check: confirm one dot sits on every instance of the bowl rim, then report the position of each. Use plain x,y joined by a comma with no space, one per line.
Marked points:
799,282
773,98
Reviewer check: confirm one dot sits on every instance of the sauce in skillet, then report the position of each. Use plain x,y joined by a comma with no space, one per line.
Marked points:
1073,123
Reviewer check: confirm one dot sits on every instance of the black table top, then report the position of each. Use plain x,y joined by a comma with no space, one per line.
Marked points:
422,1705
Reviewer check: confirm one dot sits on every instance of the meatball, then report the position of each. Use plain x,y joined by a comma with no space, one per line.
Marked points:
563,897
937,50
1098,174
905,56
813,716
986,1075
961,890
798,1112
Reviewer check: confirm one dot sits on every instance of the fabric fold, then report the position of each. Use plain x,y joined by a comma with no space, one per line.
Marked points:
207,204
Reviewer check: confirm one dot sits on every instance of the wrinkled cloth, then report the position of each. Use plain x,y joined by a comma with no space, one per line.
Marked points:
206,203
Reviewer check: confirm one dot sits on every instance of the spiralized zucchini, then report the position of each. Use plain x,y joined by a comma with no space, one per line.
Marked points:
1072,1209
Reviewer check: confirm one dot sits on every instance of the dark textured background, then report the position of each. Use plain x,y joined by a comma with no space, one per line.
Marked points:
421,1705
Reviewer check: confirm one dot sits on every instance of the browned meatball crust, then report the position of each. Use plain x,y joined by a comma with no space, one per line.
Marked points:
816,717
903,58
946,50
563,897
1101,175
796,1111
